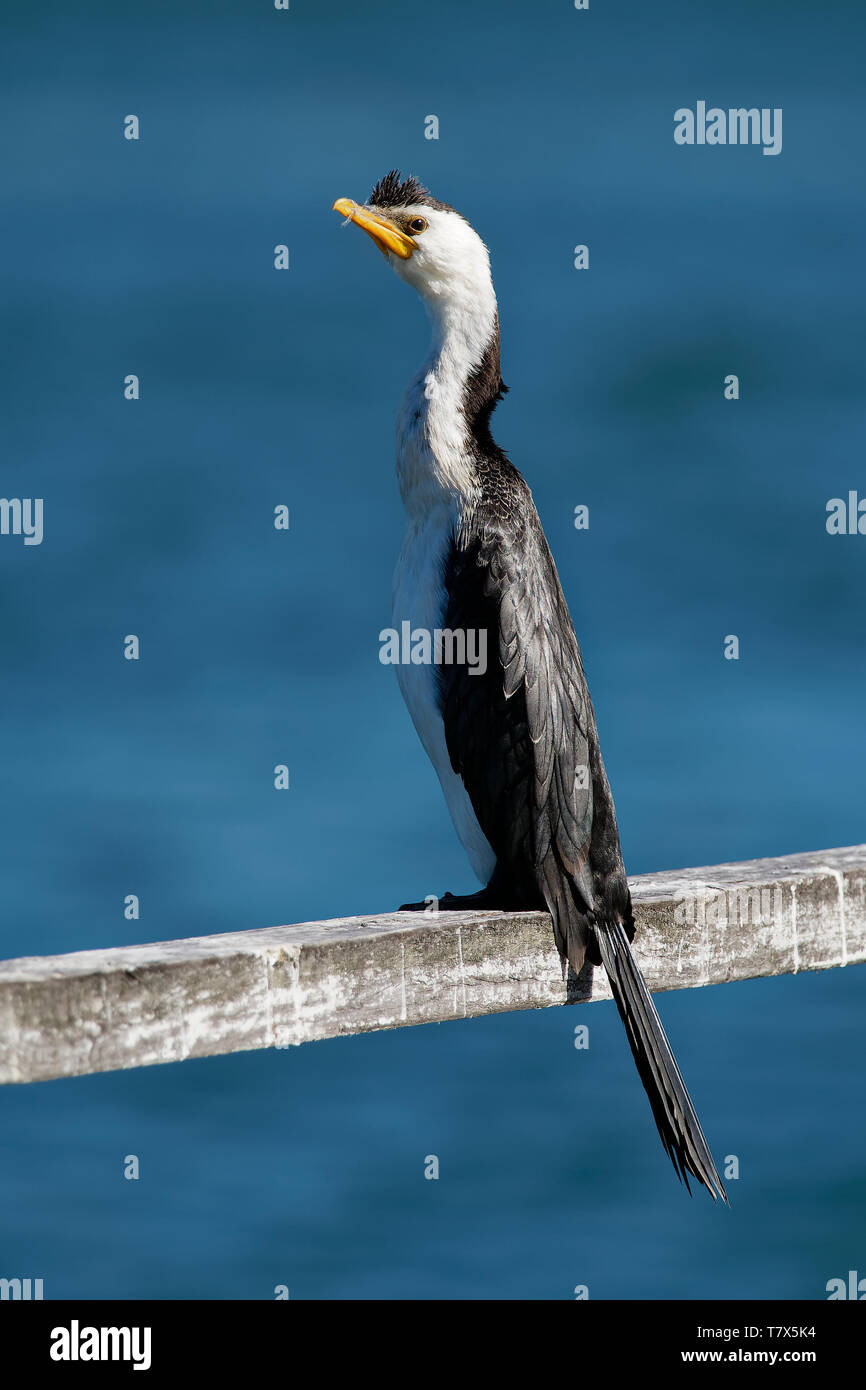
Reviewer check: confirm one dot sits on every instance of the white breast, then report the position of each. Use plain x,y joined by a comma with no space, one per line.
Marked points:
438,479
419,598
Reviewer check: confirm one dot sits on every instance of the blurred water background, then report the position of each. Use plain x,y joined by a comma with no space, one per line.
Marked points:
305,1167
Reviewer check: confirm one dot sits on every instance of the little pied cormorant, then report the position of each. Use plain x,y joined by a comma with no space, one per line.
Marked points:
515,747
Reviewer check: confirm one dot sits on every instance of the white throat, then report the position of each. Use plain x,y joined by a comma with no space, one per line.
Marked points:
434,458
437,473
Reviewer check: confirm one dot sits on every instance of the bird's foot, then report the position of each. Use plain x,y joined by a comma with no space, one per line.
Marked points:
483,900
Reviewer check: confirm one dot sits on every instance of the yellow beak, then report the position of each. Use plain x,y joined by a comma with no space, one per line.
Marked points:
386,234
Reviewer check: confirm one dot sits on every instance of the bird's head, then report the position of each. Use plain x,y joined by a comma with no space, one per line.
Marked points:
427,242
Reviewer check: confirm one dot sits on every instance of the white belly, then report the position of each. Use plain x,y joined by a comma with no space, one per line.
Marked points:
419,598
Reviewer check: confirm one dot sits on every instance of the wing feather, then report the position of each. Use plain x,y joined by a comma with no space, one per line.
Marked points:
523,738
518,735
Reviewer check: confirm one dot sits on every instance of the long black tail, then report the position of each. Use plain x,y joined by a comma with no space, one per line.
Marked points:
675,1116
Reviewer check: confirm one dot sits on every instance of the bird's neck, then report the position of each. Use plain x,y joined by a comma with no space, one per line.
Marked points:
448,403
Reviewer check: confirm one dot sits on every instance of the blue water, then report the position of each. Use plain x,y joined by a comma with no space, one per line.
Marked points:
305,1167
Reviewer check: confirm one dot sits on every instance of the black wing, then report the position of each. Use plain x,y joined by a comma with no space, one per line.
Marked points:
522,735
523,738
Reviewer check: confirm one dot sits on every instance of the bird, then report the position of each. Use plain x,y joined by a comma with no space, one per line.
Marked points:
515,745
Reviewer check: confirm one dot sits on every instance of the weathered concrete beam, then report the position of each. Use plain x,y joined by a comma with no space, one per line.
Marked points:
133,1006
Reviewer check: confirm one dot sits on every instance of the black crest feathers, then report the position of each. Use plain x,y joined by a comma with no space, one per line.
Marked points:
393,191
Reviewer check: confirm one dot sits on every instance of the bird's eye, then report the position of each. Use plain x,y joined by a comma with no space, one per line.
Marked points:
417,225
